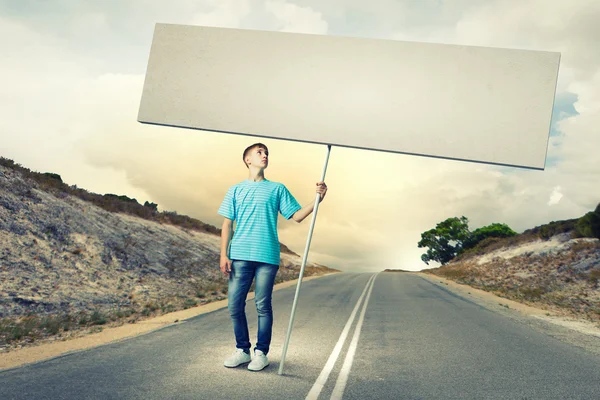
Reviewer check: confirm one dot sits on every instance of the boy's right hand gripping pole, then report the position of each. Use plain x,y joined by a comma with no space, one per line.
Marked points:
310,231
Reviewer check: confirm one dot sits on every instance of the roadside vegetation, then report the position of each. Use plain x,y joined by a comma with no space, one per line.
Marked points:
555,266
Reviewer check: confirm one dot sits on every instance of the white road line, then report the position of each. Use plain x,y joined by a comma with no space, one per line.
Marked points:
342,379
322,379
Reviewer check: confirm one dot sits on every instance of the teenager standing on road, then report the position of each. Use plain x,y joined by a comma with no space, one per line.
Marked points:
253,252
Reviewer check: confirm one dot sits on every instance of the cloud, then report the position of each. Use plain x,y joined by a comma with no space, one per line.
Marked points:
76,76
570,28
555,196
223,13
293,18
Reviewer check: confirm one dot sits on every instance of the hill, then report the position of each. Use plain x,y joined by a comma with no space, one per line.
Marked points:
72,261
550,267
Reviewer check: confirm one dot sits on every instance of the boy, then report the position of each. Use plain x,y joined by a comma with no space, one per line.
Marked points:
254,250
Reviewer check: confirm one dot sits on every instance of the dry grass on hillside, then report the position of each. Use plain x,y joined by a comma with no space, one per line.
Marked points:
564,278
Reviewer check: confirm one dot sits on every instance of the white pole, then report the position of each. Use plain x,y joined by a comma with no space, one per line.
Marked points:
310,231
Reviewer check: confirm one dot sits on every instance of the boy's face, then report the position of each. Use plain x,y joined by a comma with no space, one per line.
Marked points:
258,157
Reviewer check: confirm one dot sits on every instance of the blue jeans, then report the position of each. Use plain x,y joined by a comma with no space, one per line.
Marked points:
240,279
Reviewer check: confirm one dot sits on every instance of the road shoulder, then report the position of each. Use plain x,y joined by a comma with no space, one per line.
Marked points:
581,333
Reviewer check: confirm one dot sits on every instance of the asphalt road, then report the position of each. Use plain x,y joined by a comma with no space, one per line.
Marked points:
415,340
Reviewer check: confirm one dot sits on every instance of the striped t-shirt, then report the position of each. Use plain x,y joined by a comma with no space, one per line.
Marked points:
255,207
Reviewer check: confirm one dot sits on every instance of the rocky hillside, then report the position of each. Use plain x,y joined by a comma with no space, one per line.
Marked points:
68,266
547,267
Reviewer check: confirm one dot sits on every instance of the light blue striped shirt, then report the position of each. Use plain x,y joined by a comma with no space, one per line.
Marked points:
255,207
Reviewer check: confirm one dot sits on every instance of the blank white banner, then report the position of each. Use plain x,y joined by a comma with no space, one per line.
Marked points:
466,103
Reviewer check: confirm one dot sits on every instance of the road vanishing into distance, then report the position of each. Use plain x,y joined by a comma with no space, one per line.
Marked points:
386,335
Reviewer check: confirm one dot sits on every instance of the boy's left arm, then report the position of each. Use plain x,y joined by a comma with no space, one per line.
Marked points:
307,209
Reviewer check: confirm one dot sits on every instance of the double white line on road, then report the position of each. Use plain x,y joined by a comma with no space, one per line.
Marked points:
340,384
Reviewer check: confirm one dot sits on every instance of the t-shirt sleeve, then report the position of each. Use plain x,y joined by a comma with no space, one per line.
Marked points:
227,208
288,205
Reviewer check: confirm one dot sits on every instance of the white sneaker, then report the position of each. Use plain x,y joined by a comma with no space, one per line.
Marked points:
238,357
259,361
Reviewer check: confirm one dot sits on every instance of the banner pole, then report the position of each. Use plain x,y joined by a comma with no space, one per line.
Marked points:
310,231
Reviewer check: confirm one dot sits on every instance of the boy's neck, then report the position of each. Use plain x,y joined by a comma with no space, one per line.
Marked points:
256,176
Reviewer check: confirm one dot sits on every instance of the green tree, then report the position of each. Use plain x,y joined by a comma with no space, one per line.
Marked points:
445,240
492,230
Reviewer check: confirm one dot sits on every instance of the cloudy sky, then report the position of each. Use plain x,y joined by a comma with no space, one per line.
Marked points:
72,75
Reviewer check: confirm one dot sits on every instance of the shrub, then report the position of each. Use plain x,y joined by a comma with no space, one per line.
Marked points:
53,324
594,276
17,228
53,176
532,293
189,303
556,227
57,231
152,306
13,331
588,225
124,313
456,272
167,308
97,318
